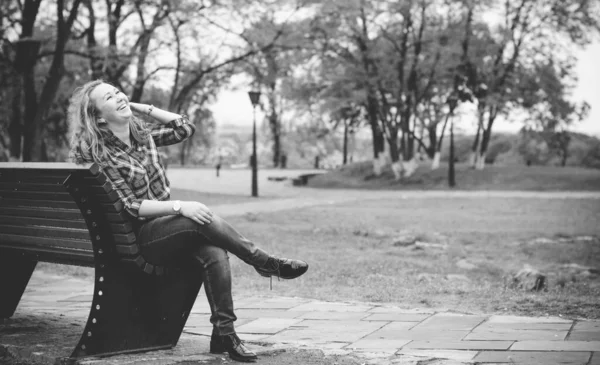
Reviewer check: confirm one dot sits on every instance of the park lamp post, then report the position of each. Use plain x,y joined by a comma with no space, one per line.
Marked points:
254,98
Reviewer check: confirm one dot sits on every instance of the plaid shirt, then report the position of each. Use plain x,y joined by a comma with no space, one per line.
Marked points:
136,172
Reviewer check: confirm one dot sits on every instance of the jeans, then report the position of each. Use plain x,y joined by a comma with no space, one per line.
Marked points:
173,240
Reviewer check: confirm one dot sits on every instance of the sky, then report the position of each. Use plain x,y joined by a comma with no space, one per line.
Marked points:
234,107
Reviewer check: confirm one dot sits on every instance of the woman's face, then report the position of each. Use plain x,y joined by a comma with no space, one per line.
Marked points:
112,105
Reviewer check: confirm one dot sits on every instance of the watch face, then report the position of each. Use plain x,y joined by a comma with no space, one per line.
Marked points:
177,206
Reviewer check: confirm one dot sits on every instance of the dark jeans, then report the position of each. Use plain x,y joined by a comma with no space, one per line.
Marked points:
173,240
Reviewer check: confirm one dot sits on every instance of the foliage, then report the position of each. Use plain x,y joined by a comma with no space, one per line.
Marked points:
402,67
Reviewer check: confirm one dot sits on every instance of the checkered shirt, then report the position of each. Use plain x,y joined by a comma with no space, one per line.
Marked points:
136,172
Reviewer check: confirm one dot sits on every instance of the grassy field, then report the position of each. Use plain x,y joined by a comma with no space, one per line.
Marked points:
349,247
494,235
514,177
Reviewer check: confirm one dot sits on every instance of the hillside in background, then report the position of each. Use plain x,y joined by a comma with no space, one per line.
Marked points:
505,149
515,177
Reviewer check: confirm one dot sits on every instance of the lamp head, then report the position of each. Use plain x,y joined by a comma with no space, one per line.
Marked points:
254,97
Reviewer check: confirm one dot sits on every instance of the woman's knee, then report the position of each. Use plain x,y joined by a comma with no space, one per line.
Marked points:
209,255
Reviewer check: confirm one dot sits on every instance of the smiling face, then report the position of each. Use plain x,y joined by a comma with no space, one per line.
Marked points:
112,105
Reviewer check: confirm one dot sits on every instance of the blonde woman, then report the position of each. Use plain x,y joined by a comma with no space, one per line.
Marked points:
105,131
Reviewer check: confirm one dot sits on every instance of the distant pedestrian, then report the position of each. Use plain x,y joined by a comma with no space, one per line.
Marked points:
218,164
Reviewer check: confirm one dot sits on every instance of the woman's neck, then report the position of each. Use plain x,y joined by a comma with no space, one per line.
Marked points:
122,133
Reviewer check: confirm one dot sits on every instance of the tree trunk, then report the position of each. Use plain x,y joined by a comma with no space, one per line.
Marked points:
25,59
435,163
378,138
96,59
274,125
473,156
31,130
486,137
15,129
432,133
564,157
485,140
140,79
345,148
395,155
32,144
377,134
451,174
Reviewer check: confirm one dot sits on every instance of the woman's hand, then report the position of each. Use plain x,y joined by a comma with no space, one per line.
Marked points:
197,212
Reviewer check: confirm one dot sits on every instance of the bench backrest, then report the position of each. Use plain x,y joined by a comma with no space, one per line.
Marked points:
64,213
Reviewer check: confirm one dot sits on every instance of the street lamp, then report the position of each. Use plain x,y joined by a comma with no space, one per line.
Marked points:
254,98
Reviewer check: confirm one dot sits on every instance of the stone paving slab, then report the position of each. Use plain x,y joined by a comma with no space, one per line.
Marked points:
397,317
450,322
524,326
518,335
556,346
319,306
335,316
595,359
392,345
273,303
521,319
263,313
533,358
400,310
327,331
456,355
460,345
267,326
585,331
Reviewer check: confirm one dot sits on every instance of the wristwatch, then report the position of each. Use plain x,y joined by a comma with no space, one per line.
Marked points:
177,207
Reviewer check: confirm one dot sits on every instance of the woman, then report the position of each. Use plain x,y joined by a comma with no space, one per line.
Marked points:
105,131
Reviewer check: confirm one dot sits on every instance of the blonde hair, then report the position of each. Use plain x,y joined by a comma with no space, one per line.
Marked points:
87,136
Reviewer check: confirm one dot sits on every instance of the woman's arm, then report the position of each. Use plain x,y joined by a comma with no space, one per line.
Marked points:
161,116
172,128
195,211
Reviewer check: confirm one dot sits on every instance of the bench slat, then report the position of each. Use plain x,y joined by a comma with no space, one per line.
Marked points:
68,214
30,186
42,204
124,228
59,255
103,198
15,240
45,222
80,234
56,204
35,195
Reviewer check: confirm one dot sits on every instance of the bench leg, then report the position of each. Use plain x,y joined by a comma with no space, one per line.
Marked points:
133,311
15,272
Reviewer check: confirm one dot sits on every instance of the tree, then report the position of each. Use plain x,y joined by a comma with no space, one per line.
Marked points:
272,64
528,30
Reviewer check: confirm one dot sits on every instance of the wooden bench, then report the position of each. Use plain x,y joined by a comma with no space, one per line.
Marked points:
303,179
70,214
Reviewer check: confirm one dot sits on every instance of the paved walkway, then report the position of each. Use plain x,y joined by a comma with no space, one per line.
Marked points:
54,309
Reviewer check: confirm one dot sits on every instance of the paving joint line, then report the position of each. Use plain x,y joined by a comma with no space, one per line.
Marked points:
570,330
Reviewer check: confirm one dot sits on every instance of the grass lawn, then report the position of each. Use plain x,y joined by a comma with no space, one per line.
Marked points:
494,235
349,247
360,176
